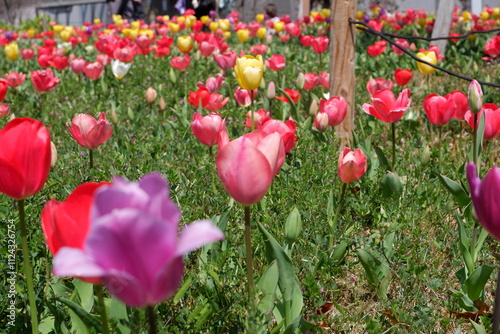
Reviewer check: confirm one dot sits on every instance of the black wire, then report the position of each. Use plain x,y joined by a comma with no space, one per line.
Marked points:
369,29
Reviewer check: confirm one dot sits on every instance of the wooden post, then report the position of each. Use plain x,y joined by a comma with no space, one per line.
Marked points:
442,24
342,58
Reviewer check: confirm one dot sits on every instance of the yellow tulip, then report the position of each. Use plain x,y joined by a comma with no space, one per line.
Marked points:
97,20
133,33
279,26
190,20
467,15
57,28
224,24
359,15
204,19
12,51
249,71
227,34
484,15
65,35
31,32
166,18
496,11
243,35
147,32
325,12
259,17
135,25
430,57
116,17
261,33
184,43
174,27
119,23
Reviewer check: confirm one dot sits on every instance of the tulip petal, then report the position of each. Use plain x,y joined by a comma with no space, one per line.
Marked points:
197,234
75,262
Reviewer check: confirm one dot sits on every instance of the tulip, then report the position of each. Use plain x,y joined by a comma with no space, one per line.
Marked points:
375,85
89,132
225,61
428,56
258,49
249,71
461,104
438,109
27,53
242,35
133,245
119,68
93,70
321,121
310,80
125,54
324,80
24,158
275,62
180,63
279,26
206,129
491,120
402,76
15,79
184,44
206,48
320,44
216,102
261,32
247,165
77,65
213,84
59,63
377,48
352,165
4,110
475,97
3,88
385,106
12,51
151,95
402,43
484,197
258,117
44,80
199,98
44,60
287,130
335,108
293,94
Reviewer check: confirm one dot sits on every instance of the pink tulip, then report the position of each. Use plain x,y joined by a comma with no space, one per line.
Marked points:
181,63
44,80
491,121
352,165
247,165
77,65
213,84
242,96
93,70
386,108
275,62
216,102
438,109
226,61
335,108
4,110
310,81
321,121
206,48
15,79
374,85
258,117
324,79
89,132
461,104
206,129
287,131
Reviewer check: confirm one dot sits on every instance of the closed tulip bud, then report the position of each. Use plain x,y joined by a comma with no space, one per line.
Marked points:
426,155
53,157
243,35
271,90
151,95
259,17
293,225
249,71
313,109
162,105
475,97
301,80
4,110
321,121
12,51
114,117
261,33
391,186
430,57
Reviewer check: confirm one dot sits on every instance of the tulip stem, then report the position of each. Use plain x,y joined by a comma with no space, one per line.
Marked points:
252,111
27,268
102,307
393,125
337,213
91,157
249,256
474,148
496,309
150,313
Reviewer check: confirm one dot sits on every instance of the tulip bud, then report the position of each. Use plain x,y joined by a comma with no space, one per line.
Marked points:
426,155
114,117
151,95
53,154
11,117
301,80
321,121
4,110
475,97
271,90
162,104
313,109
391,185
293,225
172,75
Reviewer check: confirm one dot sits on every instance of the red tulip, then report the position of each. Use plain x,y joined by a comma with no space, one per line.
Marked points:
335,108
15,79
438,109
377,48
89,132
216,102
287,131
44,60
226,61
59,62
258,49
206,48
375,85
247,165
352,165
402,76
181,63
4,86
206,129
25,156
324,80
125,54
201,95
491,121
403,43
93,70
306,40
320,44
44,80
27,53
275,62
385,106
310,81
461,104
4,110
294,96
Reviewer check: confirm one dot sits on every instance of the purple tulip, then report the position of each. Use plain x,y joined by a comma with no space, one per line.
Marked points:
133,243
484,197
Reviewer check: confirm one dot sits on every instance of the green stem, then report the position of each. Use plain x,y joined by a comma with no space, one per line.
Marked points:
252,111
214,170
474,148
102,307
27,268
91,155
393,125
496,309
440,133
249,256
337,213
150,313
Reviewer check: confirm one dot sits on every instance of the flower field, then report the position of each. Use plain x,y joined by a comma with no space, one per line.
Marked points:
188,176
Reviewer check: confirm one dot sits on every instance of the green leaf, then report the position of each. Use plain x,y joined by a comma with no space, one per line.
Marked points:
388,244
479,141
267,285
185,286
86,317
383,160
377,272
465,247
118,312
479,329
86,293
455,190
339,251
476,281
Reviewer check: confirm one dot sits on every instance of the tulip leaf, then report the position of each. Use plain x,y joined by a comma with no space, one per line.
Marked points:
465,248
377,272
383,160
83,315
474,285
118,312
268,284
295,114
479,329
479,141
455,190
86,293
185,286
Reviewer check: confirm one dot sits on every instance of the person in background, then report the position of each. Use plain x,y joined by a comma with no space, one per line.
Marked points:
137,12
271,13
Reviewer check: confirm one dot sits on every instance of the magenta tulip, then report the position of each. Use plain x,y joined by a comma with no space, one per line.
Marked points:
133,243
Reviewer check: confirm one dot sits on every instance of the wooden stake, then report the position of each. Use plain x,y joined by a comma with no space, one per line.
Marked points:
442,24
342,58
